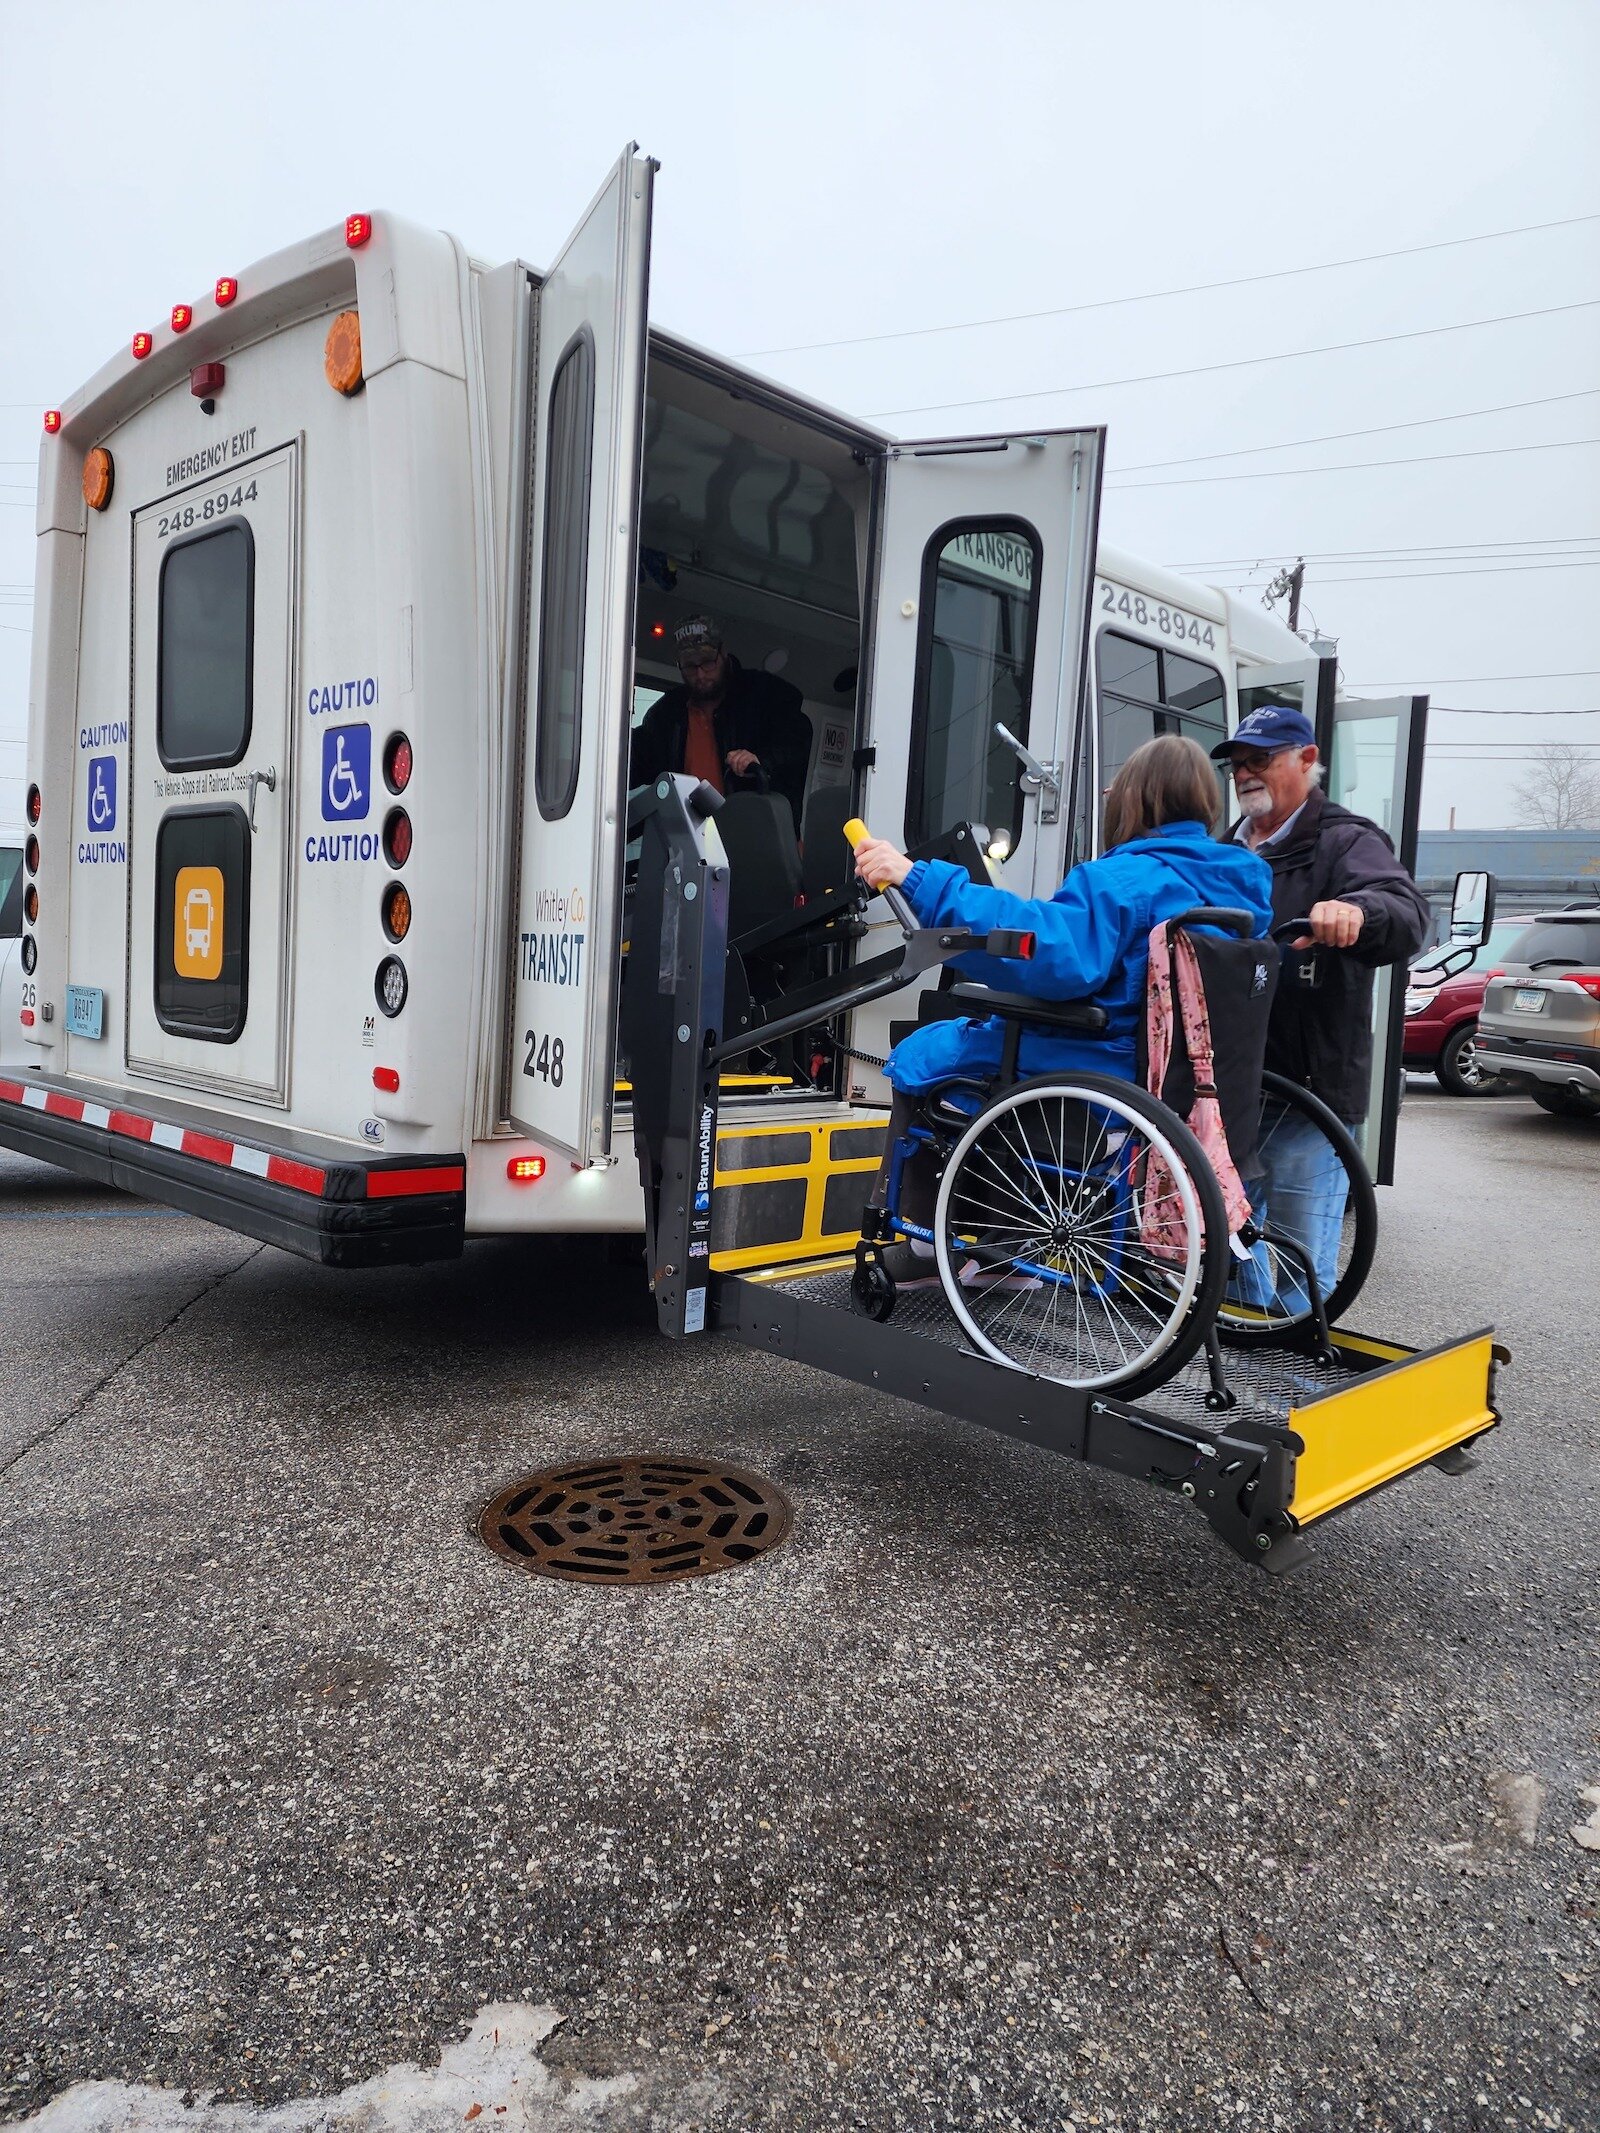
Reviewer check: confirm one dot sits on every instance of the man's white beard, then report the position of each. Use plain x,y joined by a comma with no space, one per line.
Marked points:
1255,803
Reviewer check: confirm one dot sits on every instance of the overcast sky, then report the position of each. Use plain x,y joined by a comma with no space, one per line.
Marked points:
836,171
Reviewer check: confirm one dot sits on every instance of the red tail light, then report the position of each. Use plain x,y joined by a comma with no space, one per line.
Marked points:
182,317
142,345
387,1079
357,230
226,290
52,421
1588,979
1488,974
397,837
35,803
525,1169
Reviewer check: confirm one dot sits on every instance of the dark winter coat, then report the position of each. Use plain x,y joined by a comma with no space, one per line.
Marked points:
1321,1035
758,712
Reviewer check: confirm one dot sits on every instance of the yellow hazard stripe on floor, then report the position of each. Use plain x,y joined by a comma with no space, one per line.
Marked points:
1388,1422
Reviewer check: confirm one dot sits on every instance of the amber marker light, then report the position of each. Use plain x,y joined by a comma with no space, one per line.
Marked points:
341,353
98,477
396,911
142,345
52,421
357,231
226,290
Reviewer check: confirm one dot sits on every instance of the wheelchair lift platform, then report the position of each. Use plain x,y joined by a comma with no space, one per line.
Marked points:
1299,1435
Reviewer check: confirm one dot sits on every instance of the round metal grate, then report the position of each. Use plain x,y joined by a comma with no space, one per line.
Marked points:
635,1521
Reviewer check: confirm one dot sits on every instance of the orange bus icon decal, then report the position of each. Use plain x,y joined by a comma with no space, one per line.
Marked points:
197,922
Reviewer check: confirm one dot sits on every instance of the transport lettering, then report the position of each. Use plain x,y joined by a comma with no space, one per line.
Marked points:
210,457
335,849
357,695
552,957
103,852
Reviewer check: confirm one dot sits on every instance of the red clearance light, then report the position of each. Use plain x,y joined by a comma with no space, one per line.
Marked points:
52,421
226,290
142,345
525,1169
357,229
182,317
206,380
387,1079
27,1018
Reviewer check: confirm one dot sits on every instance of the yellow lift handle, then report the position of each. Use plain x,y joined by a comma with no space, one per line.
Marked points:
857,832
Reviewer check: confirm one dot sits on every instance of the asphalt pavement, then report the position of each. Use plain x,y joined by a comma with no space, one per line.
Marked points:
1001,1795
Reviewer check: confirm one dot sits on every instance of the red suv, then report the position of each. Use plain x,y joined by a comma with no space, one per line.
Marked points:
1443,996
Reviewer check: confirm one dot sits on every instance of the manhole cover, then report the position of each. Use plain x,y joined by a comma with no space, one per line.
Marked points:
635,1521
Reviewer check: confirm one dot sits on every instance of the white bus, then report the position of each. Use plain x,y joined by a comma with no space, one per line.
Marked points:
354,576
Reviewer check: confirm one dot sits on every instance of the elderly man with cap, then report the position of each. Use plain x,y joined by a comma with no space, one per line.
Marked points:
739,729
1338,872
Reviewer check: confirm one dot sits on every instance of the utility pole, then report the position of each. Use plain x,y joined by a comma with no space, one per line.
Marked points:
1290,582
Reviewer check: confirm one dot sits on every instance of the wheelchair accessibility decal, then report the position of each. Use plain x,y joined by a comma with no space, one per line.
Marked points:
101,847
197,922
346,773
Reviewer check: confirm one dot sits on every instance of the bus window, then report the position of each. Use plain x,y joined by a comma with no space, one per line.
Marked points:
1146,690
564,578
205,655
974,669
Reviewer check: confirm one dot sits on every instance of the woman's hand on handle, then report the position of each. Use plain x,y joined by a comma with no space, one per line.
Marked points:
880,865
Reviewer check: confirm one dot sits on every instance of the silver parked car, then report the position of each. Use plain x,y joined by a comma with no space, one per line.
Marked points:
1539,1026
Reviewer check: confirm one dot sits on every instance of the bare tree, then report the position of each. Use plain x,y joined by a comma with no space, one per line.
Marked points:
1562,792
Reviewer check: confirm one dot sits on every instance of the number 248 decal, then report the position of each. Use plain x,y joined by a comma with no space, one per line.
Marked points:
546,1060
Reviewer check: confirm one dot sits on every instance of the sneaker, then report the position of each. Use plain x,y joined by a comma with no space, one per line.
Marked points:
908,1268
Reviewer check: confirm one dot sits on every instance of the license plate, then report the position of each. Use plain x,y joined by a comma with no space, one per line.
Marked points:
1529,1000
86,1008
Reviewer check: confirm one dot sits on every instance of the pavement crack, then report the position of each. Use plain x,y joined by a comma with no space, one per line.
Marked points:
110,1376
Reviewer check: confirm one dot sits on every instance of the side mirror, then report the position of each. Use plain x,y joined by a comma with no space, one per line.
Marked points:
1471,910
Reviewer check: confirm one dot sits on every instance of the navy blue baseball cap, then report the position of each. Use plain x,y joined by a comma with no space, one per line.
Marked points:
1273,726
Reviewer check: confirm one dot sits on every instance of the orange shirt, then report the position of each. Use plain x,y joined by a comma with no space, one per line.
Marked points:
701,756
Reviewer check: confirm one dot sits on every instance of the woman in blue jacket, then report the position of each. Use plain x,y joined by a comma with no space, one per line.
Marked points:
1092,936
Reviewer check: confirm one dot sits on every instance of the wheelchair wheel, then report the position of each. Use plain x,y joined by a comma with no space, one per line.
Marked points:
1081,1235
1267,1300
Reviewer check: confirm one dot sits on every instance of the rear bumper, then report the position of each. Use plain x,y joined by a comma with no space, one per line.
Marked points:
347,1213
1519,1060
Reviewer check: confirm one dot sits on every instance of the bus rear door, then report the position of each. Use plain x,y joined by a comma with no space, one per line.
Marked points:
210,781
586,409
980,620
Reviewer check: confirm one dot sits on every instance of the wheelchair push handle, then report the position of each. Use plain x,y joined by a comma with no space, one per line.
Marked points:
1224,918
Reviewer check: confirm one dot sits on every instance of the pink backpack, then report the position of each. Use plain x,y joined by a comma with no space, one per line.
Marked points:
1161,1222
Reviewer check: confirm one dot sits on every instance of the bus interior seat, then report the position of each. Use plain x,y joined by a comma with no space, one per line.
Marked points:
757,832
826,860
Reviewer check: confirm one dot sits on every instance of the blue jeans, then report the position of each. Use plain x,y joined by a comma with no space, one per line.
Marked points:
1302,1194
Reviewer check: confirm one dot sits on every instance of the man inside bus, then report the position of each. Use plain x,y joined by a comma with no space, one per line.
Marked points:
739,728
1338,872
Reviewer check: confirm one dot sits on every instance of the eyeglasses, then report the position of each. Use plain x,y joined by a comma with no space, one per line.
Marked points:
1257,759
694,662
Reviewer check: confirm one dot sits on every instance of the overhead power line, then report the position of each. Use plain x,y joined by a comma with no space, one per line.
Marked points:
1150,296
1430,548
1288,355
1441,681
1350,466
1409,577
1381,429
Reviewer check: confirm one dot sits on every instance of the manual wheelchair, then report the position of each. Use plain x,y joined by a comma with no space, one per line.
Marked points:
1080,1232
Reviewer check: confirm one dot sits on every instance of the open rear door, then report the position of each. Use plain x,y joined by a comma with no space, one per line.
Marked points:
980,615
586,409
1375,769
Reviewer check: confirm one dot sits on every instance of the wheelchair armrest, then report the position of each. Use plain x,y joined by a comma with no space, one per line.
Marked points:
982,1001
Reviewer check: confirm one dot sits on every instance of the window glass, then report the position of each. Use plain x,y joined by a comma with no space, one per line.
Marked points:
203,922
564,578
1575,942
1145,690
1278,695
10,891
204,642
974,670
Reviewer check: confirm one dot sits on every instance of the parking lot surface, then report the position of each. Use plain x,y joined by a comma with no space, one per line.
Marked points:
1001,1795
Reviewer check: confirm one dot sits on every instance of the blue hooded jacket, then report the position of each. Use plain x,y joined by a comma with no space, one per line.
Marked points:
1092,944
